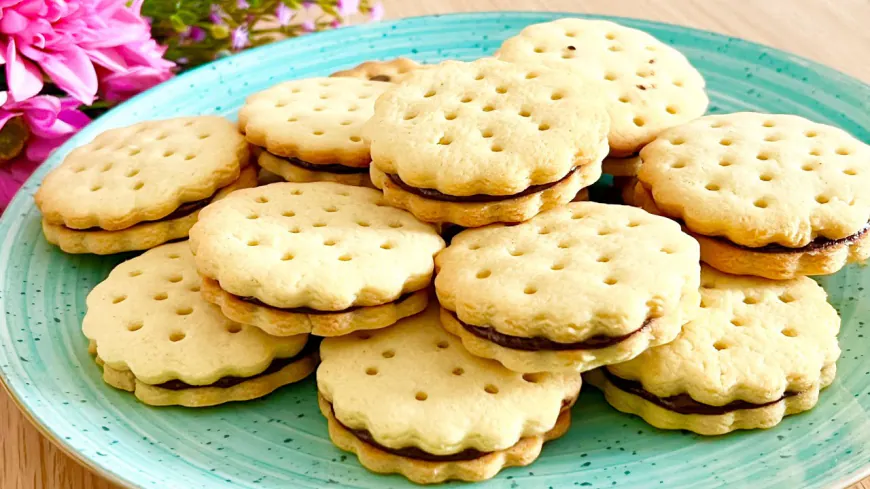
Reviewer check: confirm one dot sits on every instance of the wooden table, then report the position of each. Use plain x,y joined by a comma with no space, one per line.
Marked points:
834,32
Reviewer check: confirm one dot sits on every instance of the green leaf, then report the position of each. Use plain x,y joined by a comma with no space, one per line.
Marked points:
177,23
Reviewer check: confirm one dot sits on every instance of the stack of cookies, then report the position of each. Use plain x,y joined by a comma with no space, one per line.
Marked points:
452,362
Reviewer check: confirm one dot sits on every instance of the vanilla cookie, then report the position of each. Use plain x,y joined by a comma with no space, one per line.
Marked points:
410,399
155,336
142,173
757,351
574,288
649,85
394,70
140,236
775,196
313,124
486,141
626,167
317,257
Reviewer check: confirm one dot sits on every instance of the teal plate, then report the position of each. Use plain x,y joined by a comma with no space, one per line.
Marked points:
281,441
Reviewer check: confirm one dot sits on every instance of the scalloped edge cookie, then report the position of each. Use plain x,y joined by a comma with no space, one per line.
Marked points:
741,419
729,258
293,173
141,236
285,323
522,453
476,214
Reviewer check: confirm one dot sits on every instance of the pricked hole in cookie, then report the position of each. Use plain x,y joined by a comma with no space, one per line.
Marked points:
488,108
330,209
184,311
671,109
329,242
162,136
760,203
786,298
668,251
639,121
610,76
557,266
371,371
189,156
816,152
450,116
544,127
458,371
823,199
78,169
253,242
643,73
176,336
443,344
738,322
363,224
173,256
564,245
516,252
261,199
421,396
708,285
720,345
486,133
712,187
106,167
610,36
194,288
633,224
287,256
604,232
479,77
530,290
768,124
726,142
490,389
717,124
319,224
292,119
615,48
525,113
704,304
501,90
234,328
610,281
772,138
531,75
445,140
791,333
750,300
295,230
678,83
135,326
317,133
345,258
96,188
355,139
544,231
474,246
280,103
295,90
532,378
324,96
624,99
844,151
138,185
557,96
808,166
387,246
678,164
429,94
188,123
765,177
496,148
396,225
204,136
364,336
603,259
119,299
135,273
483,274
353,108
289,214
763,156
388,353
175,279
850,171
539,49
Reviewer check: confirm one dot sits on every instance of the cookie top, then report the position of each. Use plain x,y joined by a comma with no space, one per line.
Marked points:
650,86
413,384
753,340
486,127
318,120
321,245
394,70
759,179
148,317
142,172
570,273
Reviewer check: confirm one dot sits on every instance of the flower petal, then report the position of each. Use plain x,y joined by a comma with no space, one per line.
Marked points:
22,76
72,71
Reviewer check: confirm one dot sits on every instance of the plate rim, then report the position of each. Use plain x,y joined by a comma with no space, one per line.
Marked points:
12,212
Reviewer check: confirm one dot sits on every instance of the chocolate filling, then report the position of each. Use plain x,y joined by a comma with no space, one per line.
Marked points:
683,403
308,310
330,168
419,454
183,210
383,78
541,344
432,194
225,382
818,244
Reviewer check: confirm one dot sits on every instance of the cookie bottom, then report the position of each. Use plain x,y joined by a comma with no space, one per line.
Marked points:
621,167
726,257
660,331
293,173
476,214
210,396
706,424
277,322
141,236
486,467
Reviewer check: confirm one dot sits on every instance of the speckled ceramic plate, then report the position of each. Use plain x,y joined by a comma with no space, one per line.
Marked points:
281,441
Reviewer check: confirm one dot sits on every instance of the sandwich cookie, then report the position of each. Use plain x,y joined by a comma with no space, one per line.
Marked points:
649,85
137,187
574,288
155,336
318,258
759,350
394,70
311,129
411,400
487,141
775,196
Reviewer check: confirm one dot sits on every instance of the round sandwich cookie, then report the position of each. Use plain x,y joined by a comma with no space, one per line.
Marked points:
411,400
649,85
758,350
137,187
776,196
622,167
311,129
318,258
155,336
486,141
574,288
394,70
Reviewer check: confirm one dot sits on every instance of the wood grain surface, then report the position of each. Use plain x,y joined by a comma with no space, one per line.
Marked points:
834,32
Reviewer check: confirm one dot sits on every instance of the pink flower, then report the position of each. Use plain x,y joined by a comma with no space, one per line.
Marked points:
347,7
283,13
117,87
69,40
376,13
239,38
308,26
